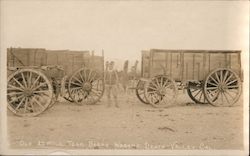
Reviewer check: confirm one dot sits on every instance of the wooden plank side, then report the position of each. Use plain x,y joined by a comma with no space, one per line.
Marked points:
191,64
235,63
25,57
69,60
145,64
167,63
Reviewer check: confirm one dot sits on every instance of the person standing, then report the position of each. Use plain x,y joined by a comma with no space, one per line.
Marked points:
111,83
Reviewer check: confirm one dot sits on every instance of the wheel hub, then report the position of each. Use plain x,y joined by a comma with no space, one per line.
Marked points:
28,92
161,91
221,87
87,86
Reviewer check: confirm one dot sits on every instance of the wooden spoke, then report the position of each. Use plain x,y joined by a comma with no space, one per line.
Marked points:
20,103
80,73
229,77
14,93
235,80
217,77
89,75
34,83
77,80
77,84
93,77
225,97
25,105
209,82
40,85
214,80
38,103
157,82
16,98
30,79
18,83
212,88
154,84
225,77
233,87
194,90
14,87
41,91
150,92
221,76
152,88
24,80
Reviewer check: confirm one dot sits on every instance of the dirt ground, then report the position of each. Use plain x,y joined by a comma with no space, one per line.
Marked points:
132,126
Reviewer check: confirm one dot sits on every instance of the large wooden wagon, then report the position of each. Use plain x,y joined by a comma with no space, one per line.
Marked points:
210,76
36,78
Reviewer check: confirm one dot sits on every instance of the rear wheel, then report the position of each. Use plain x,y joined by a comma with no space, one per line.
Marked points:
29,92
222,87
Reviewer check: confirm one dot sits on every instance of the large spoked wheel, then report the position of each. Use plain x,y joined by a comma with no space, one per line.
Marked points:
29,92
140,92
222,87
196,92
161,91
86,86
64,89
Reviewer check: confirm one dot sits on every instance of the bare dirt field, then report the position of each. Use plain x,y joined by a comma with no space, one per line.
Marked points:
132,126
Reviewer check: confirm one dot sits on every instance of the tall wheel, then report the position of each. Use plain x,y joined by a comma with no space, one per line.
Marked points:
29,92
222,87
161,91
196,93
140,92
86,86
64,89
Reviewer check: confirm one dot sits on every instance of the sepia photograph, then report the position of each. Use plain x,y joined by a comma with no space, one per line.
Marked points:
124,77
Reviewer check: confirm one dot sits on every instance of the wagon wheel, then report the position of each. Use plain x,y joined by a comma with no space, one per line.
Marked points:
222,87
86,86
64,89
140,91
196,93
29,92
161,91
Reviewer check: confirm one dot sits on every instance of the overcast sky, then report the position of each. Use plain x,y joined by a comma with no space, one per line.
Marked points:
123,28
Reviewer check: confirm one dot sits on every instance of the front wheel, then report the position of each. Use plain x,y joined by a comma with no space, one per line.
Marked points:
140,91
161,91
196,92
86,86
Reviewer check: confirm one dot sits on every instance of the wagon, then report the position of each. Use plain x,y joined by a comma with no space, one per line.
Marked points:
210,76
37,77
